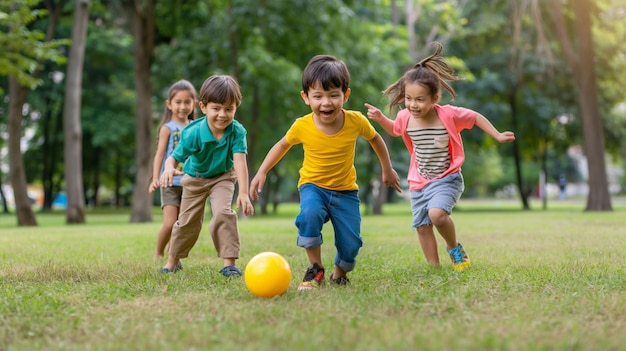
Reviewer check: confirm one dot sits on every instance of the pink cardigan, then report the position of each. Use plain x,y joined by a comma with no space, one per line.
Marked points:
455,119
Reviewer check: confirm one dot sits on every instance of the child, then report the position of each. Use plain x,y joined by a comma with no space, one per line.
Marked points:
327,184
214,148
431,133
179,110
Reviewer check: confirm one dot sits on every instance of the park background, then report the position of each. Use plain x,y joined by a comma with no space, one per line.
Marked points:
84,84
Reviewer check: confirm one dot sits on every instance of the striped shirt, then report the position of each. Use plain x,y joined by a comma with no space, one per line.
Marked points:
431,150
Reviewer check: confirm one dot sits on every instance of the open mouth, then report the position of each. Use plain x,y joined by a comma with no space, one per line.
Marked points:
326,114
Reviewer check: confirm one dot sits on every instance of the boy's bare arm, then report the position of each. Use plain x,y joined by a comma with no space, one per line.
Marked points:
243,198
390,177
169,171
276,153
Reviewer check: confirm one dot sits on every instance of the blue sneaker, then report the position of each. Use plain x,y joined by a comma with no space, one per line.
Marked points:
460,259
231,271
177,268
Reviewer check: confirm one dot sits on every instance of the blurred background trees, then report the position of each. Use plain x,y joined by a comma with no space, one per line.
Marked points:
510,53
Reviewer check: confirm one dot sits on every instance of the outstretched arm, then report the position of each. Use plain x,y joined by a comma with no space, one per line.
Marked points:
390,177
164,135
483,123
243,198
275,154
169,171
375,114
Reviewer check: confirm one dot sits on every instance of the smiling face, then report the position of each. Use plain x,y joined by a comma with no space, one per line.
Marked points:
181,104
327,105
418,100
219,116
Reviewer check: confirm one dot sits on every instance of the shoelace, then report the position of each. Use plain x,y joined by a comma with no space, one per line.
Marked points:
341,281
456,255
310,273
313,272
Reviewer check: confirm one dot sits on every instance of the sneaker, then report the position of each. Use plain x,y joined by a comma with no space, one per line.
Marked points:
339,281
460,259
176,268
231,271
313,278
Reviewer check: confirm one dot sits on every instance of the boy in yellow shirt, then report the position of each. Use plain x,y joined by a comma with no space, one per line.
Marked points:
327,184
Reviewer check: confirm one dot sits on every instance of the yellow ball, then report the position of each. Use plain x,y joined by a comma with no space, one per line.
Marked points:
267,275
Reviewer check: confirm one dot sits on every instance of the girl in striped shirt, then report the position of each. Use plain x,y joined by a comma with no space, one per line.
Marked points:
431,133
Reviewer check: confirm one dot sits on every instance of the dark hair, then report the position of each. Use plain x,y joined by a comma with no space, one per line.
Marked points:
173,90
433,72
220,89
328,71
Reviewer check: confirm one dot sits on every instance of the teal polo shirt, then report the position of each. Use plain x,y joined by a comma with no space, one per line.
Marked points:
203,155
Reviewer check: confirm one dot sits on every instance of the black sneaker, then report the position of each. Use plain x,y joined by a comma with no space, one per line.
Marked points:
313,278
340,281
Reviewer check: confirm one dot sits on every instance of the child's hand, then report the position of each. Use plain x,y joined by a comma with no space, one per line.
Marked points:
256,186
505,137
154,185
374,113
243,203
167,177
390,178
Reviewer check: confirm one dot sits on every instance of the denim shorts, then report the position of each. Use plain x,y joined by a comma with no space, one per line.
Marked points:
440,193
342,209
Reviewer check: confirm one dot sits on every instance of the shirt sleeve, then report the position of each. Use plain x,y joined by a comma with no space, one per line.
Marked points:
293,136
464,118
367,130
400,123
240,144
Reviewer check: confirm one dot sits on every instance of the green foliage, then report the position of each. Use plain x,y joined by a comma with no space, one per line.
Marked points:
482,169
266,44
268,55
24,48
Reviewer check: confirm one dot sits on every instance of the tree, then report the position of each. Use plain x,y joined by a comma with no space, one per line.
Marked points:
143,22
75,212
25,50
580,57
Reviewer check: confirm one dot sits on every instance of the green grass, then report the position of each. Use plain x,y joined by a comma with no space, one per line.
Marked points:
540,280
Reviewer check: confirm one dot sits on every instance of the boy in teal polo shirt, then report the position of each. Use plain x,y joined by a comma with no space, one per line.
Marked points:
213,149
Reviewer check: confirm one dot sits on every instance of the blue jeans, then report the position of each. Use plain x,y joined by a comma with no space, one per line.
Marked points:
342,208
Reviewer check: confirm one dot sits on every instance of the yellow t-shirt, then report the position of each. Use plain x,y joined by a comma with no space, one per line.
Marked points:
329,159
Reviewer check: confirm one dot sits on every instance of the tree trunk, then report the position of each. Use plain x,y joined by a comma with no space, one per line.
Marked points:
17,98
95,201
598,199
51,129
118,180
75,212
5,206
17,174
583,70
523,192
143,33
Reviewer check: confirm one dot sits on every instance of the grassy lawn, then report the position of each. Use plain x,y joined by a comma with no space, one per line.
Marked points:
540,280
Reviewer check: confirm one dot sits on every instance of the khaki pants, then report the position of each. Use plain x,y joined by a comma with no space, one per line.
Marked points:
223,225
